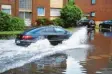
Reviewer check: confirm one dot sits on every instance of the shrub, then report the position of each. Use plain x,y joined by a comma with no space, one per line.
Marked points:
70,14
4,21
43,22
58,22
17,24
10,23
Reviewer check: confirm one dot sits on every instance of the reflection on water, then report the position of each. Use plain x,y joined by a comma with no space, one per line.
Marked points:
51,64
99,60
94,60
61,63
106,33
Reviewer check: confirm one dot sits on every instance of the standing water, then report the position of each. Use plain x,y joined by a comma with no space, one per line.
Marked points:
12,56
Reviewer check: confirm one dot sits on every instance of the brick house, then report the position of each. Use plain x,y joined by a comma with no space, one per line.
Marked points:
30,10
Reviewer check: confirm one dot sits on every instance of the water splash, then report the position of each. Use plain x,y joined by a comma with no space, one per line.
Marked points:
12,56
79,37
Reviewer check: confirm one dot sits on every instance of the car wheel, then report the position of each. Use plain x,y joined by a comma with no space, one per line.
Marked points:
55,42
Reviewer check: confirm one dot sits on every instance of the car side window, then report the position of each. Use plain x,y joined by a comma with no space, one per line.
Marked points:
110,21
34,31
59,30
47,30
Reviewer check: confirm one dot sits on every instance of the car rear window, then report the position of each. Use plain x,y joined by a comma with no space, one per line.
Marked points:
32,31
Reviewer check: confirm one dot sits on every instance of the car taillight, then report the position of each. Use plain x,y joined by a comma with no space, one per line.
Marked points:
26,37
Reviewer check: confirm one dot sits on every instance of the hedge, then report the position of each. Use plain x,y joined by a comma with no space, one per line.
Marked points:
10,23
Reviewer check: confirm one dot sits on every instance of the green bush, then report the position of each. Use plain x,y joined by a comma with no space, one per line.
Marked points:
43,22
10,23
17,24
70,14
4,21
58,22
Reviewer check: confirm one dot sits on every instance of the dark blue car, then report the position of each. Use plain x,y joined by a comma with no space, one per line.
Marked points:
54,34
105,25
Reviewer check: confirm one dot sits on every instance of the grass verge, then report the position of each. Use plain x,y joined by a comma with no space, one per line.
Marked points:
10,32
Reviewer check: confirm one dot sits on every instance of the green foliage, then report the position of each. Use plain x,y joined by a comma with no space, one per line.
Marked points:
70,14
17,24
43,22
9,23
58,22
71,2
4,21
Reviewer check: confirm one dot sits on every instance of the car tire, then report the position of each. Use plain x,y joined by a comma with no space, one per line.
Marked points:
54,43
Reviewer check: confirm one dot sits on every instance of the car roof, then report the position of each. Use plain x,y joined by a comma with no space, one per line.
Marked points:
51,26
108,21
40,28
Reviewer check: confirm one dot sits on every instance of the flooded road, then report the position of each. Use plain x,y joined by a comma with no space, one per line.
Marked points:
78,55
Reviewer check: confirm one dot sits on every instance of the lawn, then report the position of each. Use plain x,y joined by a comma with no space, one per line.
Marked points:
10,32
70,29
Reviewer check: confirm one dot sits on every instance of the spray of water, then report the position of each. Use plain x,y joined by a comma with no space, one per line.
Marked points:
12,56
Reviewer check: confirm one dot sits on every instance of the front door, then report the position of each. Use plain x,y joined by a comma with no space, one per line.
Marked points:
26,16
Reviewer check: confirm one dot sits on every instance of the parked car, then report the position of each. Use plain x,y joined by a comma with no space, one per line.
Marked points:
86,22
105,25
54,34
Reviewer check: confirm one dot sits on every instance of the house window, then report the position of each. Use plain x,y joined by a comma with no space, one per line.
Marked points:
55,12
92,14
56,4
93,1
25,4
6,9
41,11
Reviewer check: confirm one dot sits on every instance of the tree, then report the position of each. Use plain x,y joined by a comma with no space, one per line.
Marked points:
71,2
70,14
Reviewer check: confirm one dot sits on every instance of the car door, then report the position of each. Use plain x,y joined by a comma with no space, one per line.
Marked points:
61,33
49,33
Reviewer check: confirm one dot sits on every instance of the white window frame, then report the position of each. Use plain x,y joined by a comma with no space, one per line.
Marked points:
7,7
93,2
39,12
93,14
55,13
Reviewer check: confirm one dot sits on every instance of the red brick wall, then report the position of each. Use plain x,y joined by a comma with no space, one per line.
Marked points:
14,5
102,8
40,3
65,2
